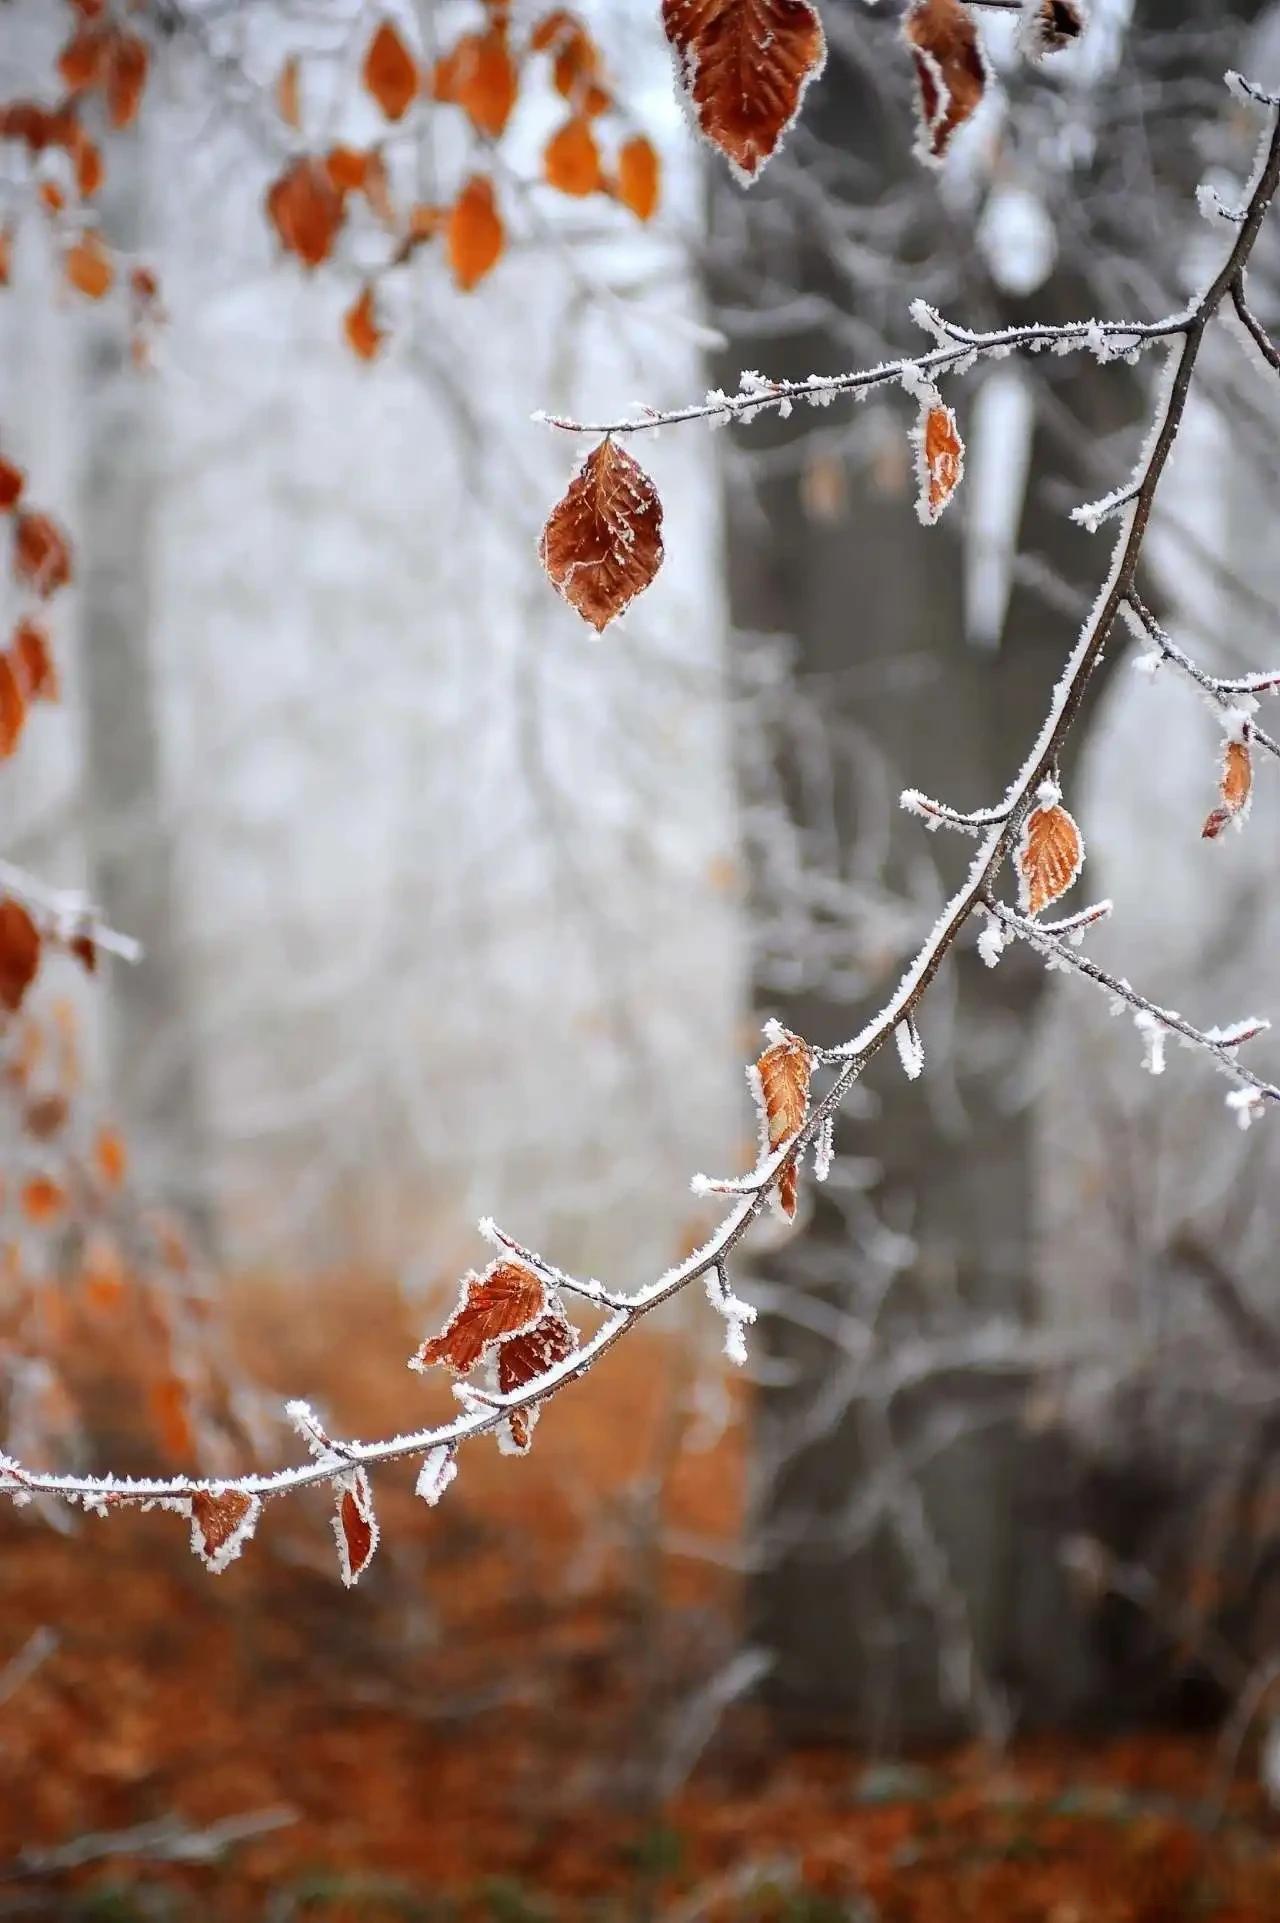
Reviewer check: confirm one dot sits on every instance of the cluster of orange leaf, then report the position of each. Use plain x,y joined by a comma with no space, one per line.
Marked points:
40,562
481,74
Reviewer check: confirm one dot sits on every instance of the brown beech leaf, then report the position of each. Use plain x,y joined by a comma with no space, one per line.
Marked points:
474,235
12,480
1050,25
950,71
6,254
377,188
127,66
41,554
90,171
46,1115
89,267
43,1199
521,1358
82,63
355,1526
306,210
289,93
504,1301
1050,852
390,72
483,81
13,707
779,1082
939,459
744,65
602,544
346,167
360,325
571,162
639,177
222,1521
1235,786
32,660
111,1157
19,953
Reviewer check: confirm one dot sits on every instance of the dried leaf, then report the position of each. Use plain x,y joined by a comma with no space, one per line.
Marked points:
745,65
90,171
355,1526
6,254
11,484
571,162
306,210
1049,25
82,63
82,947
377,188
1235,786
111,1157
289,92
439,1467
639,177
128,65
505,1300
522,1358
939,460
779,1082
89,267
13,707
346,167
41,554
475,236
222,1521
950,70
19,953
1050,853
483,81
43,1199
390,72
52,197
360,325
602,544
46,1116
32,660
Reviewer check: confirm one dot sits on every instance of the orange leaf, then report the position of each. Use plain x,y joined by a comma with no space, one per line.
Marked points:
222,1522
41,554
355,1526
306,210
939,460
745,65
111,1157
52,197
390,72
89,267
32,660
345,167
506,1300
89,169
126,78
1050,852
377,188
19,953
1235,787
81,946
11,483
575,64
43,1199
360,325
83,60
13,707
950,71
103,1270
6,254
780,1084
602,544
46,1116
475,236
289,92
638,177
553,28
571,162
481,78
522,1358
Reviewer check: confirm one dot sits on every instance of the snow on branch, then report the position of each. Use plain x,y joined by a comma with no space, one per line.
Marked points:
509,1342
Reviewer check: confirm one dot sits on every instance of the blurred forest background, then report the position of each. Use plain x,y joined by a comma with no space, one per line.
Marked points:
963,1599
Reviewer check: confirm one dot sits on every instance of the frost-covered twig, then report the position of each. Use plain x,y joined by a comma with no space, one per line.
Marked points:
66,914
1225,690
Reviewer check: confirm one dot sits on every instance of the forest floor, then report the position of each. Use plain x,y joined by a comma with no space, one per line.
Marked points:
509,1719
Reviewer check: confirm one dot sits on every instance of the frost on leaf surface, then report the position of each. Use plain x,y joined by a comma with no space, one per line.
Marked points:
951,72
939,458
506,1300
744,65
439,1467
602,544
1235,786
1050,852
522,1358
780,1085
1048,26
355,1527
222,1522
